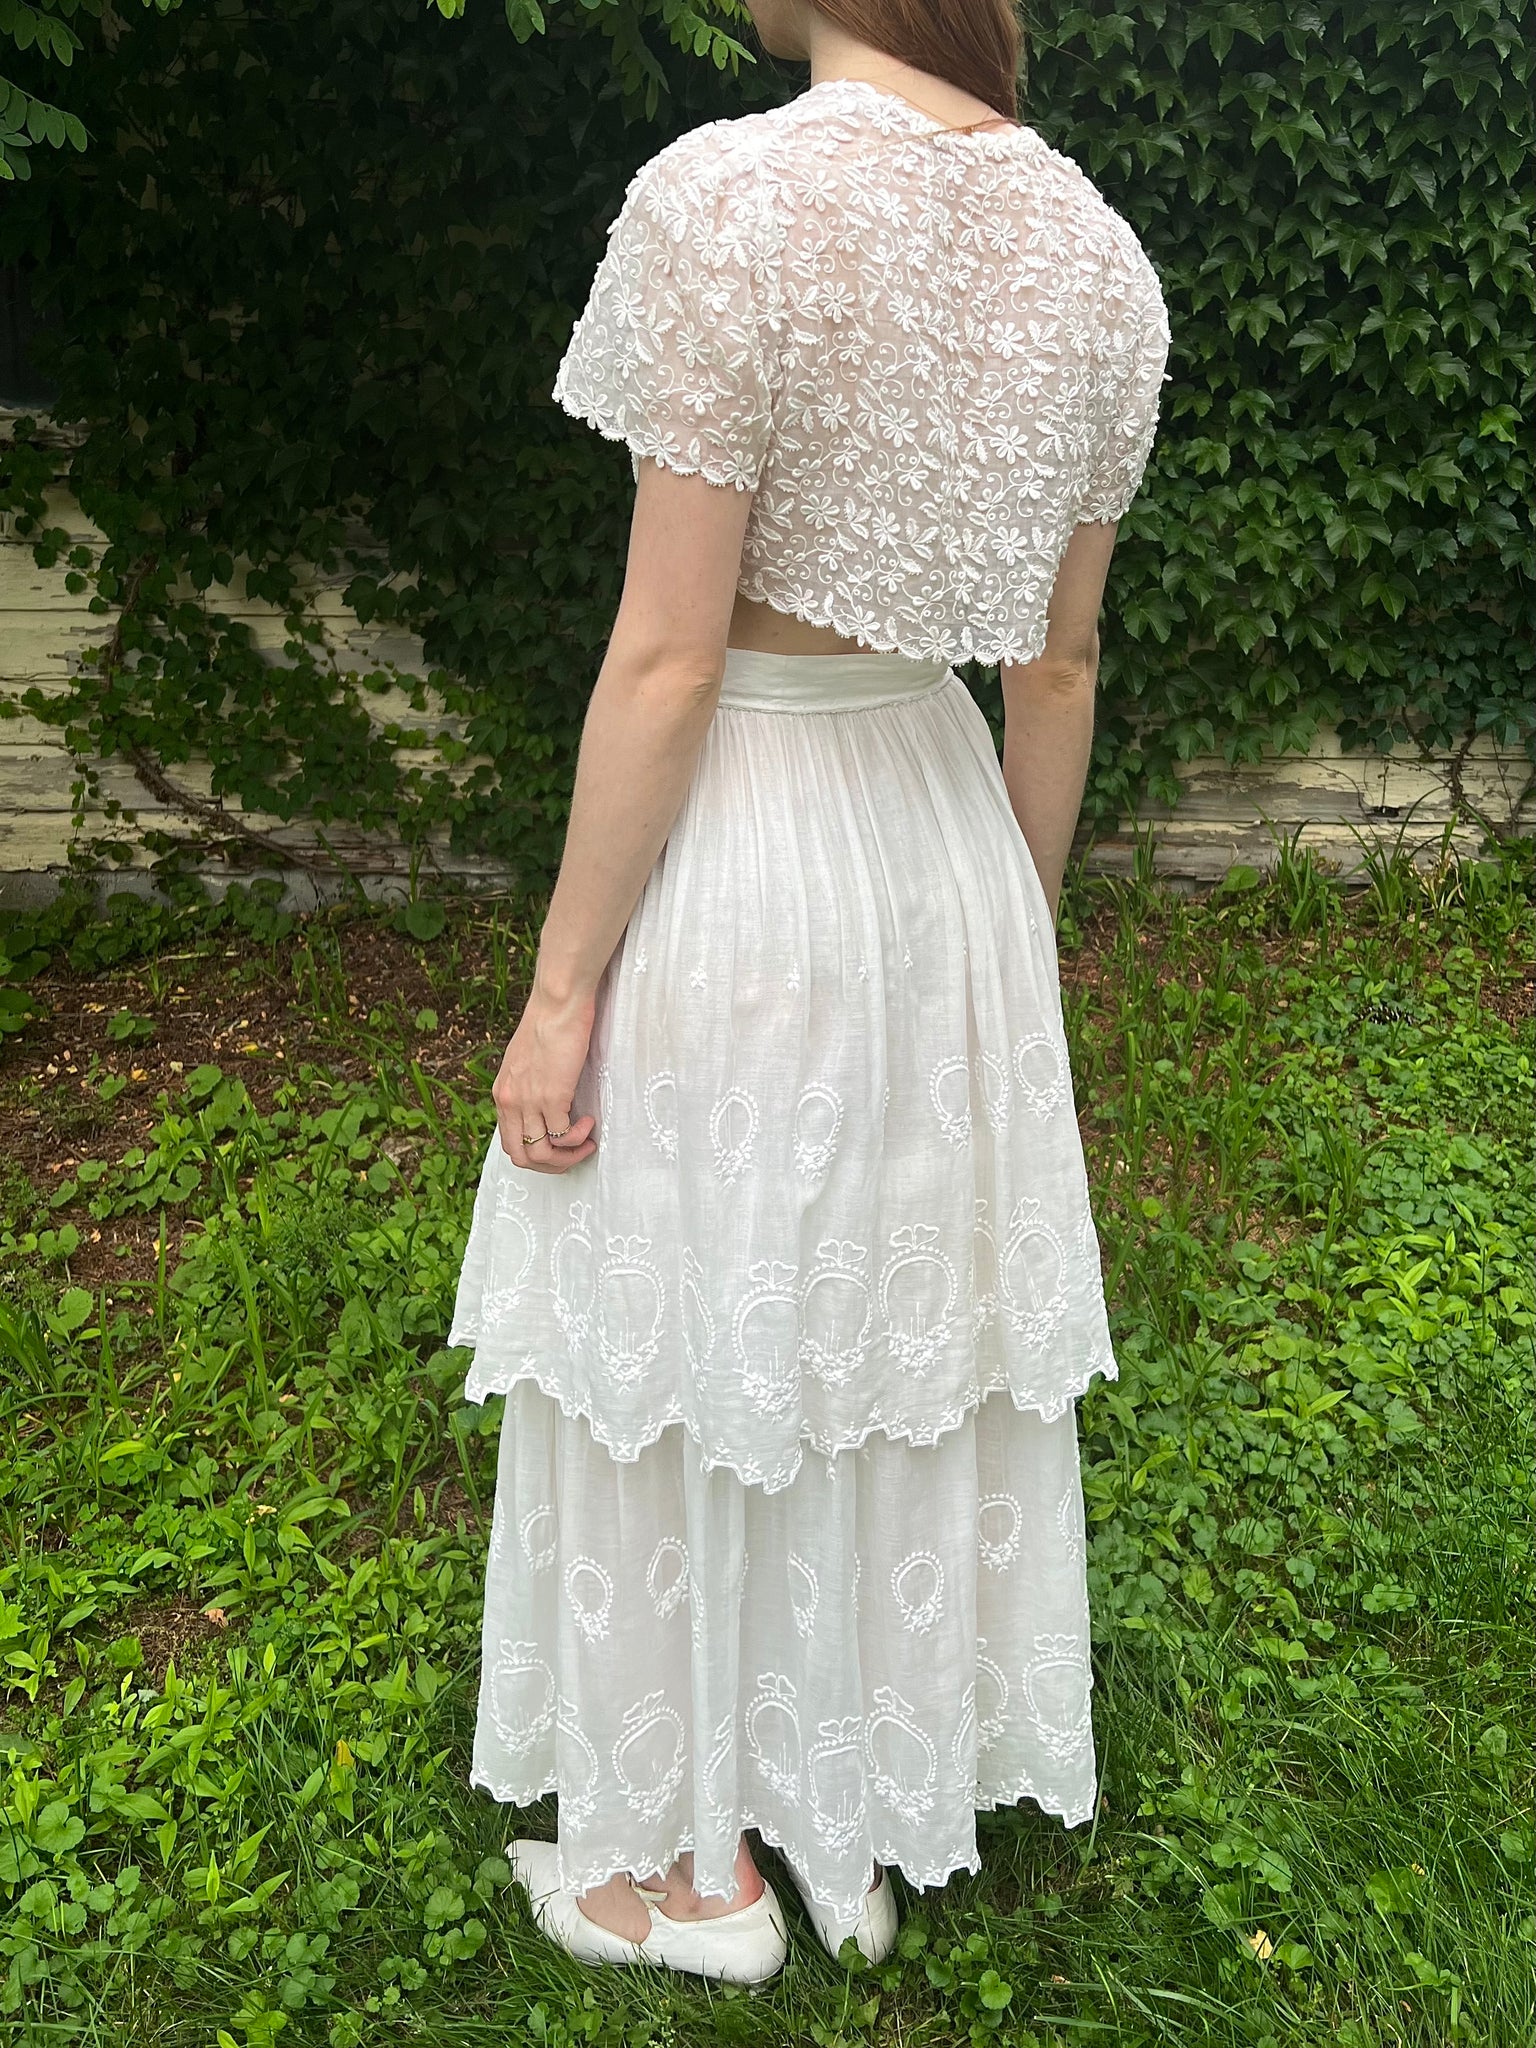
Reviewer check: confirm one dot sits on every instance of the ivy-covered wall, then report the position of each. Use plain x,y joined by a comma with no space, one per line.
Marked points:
310,283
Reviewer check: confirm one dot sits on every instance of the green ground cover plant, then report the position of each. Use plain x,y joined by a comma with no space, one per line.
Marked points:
243,1508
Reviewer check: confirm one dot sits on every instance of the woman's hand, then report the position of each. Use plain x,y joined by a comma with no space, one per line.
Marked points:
538,1076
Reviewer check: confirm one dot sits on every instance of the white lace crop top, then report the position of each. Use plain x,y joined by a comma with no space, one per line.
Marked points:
929,355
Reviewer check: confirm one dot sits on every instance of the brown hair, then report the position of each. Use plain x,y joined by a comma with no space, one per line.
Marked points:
976,45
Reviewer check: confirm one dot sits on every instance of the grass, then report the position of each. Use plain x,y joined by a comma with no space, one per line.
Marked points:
243,1509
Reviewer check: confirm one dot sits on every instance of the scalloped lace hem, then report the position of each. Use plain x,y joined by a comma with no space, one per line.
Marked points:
646,446
853,625
1107,511
926,1877
485,1381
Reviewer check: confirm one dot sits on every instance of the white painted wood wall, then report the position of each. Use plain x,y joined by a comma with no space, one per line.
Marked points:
1225,815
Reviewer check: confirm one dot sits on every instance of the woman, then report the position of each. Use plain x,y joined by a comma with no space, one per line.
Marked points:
782,1255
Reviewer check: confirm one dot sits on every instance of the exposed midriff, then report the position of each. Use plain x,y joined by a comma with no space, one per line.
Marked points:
766,630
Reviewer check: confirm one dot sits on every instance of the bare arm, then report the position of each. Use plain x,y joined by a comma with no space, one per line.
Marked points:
1048,709
650,708
649,711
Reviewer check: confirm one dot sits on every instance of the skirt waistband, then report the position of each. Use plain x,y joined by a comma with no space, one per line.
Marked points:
757,681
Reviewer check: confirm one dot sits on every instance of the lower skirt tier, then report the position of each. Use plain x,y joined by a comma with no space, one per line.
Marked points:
853,1664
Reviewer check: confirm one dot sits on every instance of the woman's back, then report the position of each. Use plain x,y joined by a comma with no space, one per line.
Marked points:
928,352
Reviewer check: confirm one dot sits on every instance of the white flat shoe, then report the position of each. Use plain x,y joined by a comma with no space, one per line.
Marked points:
875,1928
743,1947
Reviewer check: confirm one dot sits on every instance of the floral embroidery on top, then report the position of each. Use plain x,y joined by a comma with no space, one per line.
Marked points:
928,356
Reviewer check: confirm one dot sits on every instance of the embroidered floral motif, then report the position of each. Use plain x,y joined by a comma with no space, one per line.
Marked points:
949,1086
574,1276
661,1111
818,1119
718,1802
537,1533
732,1129
666,1576
1040,1068
837,1310
918,1290
917,1585
999,1525
518,1696
996,1087
1056,1684
649,1757
772,1732
589,1594
804,1595
897,1750
1070,1525
766,1337
698,1321
983,1272
992,1698
1031,1270
632,1298
580,1788
835,1780
962,1743
510,1255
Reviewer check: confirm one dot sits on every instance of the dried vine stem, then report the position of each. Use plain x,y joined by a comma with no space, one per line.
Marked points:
152,778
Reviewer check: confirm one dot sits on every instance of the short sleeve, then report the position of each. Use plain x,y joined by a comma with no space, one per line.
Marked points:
1133,396
670,353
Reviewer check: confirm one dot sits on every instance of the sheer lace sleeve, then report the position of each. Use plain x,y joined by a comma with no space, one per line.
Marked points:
669,354
1140,342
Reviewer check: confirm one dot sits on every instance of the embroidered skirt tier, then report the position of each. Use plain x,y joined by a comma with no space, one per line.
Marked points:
788,1530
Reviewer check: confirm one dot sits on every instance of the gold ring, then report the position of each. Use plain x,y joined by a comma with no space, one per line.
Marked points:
534,1141
558,1134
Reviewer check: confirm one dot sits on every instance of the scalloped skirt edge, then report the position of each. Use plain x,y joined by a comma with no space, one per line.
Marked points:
781,1467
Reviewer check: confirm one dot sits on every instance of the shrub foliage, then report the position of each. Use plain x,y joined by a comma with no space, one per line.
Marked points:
308,288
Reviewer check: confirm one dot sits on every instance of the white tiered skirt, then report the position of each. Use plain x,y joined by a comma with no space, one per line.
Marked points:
852,1665
789,1529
